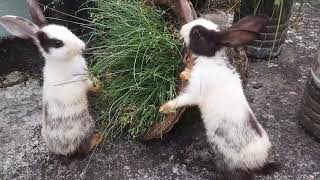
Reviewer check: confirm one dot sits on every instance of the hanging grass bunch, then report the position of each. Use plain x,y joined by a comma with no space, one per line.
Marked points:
137,56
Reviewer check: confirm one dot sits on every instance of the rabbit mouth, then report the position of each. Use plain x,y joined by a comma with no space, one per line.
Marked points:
85,51
76,52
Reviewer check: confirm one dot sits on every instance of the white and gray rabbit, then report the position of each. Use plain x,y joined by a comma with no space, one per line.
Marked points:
231,127
67,126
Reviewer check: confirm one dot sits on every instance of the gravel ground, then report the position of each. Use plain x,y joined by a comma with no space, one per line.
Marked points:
274,91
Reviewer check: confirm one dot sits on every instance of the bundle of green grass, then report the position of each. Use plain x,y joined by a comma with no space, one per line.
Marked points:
137,57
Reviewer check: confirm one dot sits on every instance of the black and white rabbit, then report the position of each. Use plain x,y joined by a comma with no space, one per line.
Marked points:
67,126
231,127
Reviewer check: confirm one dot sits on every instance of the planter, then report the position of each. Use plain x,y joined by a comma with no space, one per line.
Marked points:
13,7
21,54
73,14
311,102
17,54
273,36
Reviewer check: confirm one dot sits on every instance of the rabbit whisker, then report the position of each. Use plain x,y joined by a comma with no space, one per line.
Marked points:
69,82
79,74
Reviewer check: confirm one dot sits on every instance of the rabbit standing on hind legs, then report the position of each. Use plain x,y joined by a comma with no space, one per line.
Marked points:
241,143
67,126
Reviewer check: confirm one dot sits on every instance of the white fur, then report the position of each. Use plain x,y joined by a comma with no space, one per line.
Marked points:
185,30
73,46
67,124
65,80
218,92
65,71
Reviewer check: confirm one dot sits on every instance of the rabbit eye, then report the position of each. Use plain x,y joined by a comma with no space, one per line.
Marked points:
195,32
57,43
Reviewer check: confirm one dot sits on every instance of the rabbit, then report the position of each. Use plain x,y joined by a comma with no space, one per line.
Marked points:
214,85
67,127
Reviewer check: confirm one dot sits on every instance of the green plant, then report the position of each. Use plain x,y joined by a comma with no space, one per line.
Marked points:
278,6
136,57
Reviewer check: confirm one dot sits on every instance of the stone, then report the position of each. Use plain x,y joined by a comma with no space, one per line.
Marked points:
13,78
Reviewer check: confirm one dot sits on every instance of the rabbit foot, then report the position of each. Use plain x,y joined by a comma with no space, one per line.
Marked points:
185,74
95,140
167,107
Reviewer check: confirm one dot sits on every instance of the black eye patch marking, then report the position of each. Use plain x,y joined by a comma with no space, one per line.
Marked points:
204,42
47,42
195,32
57,43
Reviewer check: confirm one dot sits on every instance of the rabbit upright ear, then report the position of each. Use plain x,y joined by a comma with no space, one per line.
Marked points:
250,23
19,26
244,31
234,38
36,13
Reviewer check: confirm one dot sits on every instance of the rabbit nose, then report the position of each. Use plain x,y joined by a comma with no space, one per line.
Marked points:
81,44
82,47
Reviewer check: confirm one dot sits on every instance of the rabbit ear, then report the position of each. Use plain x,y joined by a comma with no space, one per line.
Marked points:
244,31
19,26
250,23
36,13
234,38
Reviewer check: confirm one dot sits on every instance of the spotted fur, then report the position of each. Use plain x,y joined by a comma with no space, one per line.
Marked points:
232,130
67,133
67,126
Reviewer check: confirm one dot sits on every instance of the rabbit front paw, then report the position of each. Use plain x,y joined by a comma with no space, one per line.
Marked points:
95,90
185,74
95,87
167,107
